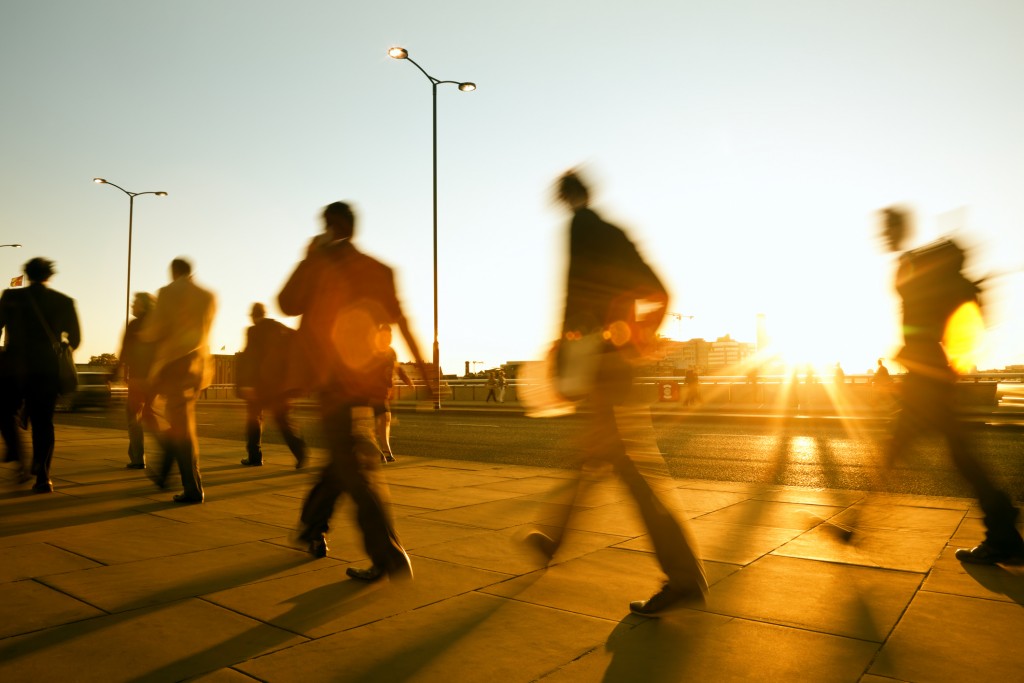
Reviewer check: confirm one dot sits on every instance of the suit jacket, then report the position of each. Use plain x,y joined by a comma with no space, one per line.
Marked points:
343,297
28,347
262,364
180,326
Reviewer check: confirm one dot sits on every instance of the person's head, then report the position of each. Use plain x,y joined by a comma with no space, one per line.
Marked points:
895,226
39,269
572,190
180,268
258,312
339,220
142,304
880,363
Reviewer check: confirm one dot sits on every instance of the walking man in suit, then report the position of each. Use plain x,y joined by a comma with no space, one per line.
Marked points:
182,367
34,318
344,296
261,383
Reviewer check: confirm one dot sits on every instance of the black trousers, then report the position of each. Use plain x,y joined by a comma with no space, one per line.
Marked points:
279,408
354,470
928,405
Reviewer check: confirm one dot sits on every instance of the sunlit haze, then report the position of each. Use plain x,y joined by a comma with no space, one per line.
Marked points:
747,160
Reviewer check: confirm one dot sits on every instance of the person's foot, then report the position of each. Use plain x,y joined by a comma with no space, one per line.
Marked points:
43,487
985,553
389,457
318,546
135,466
301,459
24,476
667,598
182,498
158,481
542,543
250,463
401,569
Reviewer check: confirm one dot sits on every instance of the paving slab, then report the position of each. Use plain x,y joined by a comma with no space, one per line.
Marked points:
27,606
39,559
1003,582
856,602
912,551
696,646
122,587
772,513
327,601
599,584
952,638
168,643
724,542
470,638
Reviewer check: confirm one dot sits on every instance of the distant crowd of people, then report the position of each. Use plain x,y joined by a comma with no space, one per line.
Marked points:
342,352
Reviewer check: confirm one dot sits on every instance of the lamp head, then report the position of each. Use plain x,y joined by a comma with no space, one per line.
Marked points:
99,181
161,193
467,87
398,53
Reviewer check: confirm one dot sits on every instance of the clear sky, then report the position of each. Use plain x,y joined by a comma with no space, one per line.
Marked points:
744,144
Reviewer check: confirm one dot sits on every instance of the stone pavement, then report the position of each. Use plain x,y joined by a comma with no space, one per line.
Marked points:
107,580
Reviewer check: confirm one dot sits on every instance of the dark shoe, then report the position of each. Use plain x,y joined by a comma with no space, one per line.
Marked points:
988,554
318,547
182,498
43,487
135,466
667,598
249,463
158,481
388,457
301,459
542,543
370,574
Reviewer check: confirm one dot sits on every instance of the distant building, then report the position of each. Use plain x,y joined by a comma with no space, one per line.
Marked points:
686,355
726,355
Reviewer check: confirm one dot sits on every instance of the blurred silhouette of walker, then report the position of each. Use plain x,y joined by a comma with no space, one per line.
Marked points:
37,321
932,287
136,358
344,296
602,337
261,382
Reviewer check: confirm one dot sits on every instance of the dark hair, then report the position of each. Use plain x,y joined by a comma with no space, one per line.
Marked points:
39,269
571,185
180,266
340,219
259,310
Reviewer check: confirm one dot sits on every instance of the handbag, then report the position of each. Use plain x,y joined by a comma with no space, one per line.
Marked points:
67,373
576,362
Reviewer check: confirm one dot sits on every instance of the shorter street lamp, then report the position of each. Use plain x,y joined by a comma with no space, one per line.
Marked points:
131,210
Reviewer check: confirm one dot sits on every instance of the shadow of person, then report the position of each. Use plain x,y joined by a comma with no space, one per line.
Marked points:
1006,580
655,651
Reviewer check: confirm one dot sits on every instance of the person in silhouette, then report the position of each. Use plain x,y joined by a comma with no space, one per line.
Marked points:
136,359
36,320
261,382
344,296
179,327
607,278
932,287
389,367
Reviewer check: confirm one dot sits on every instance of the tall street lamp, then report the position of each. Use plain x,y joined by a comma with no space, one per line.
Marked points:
131,210
465,86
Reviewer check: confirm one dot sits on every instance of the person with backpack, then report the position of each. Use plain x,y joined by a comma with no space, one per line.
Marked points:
932,286
260,381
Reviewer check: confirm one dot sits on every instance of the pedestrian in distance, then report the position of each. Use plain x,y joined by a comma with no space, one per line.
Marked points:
344,296
179,326
389,367
492,387
135,360
38,323
261,383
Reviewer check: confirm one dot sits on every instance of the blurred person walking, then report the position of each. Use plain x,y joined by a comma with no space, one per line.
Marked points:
344,296
932,287
136,359
492,386
602,338
38,322
389,367
179,326
261,382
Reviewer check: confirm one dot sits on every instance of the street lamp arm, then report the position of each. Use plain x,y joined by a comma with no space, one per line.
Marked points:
103,181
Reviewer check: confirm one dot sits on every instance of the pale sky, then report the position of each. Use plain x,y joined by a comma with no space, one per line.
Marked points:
745,145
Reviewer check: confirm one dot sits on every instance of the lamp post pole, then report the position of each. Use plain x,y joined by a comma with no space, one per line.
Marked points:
131,211
464,86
